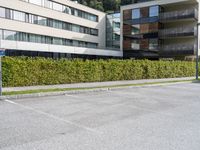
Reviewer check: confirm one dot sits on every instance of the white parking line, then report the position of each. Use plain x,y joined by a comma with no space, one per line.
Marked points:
54,117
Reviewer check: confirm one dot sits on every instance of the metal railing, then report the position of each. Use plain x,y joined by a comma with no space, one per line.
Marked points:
178,49
187,13
181,31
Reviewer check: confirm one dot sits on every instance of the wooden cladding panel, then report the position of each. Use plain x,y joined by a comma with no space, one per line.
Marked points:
144,44
127,44
127,14
144,12
127,29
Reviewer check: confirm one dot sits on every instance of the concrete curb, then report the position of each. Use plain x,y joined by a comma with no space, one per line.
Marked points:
93,84
36,95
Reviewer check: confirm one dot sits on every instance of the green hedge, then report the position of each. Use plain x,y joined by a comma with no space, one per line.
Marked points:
23,71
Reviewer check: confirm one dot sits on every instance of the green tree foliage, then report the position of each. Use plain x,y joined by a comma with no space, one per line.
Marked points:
24,71
105,5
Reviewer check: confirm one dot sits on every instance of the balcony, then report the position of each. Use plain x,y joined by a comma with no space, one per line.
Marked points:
178,32
177,49
176,15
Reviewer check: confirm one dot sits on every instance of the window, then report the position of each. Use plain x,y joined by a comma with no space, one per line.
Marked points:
1,34
48,4
75,43
9,14
50,22
75,28
135,29
87,31
19,16
116,15
57,7
26,17
68,42
135,13
33,19
2,12
42,21
116,37
48,40
92,45
81,30
9,35
36,2
67,10
94,32
22,37
75,12
153,44
57,24
67,26
116,24
57,41
82,44
135,45
154,11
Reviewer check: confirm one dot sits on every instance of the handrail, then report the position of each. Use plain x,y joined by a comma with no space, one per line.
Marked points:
177,14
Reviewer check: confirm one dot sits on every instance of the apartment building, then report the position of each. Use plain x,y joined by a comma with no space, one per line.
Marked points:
156,29
53,28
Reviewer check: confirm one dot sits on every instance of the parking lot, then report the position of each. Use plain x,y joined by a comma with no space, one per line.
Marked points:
140,118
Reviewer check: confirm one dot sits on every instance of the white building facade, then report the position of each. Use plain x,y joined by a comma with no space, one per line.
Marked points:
58,28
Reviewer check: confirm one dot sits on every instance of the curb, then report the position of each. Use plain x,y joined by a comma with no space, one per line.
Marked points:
44,94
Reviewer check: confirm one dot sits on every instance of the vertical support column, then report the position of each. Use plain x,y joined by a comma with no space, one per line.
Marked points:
197,54
0,77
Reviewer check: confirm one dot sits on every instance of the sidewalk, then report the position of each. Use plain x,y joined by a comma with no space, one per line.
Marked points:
94,84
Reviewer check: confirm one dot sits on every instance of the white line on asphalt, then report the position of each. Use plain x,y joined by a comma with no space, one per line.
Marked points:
54,117
73,96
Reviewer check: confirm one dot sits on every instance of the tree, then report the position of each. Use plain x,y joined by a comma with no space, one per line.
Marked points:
105,5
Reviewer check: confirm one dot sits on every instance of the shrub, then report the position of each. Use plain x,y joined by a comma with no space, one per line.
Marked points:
24,71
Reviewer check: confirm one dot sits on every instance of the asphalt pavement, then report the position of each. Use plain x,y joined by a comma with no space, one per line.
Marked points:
163,117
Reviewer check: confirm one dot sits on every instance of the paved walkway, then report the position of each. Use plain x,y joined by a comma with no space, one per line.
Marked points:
94,84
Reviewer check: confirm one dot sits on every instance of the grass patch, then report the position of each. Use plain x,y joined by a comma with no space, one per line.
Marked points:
88,88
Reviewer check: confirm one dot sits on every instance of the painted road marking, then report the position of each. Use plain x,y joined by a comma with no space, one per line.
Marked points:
54,117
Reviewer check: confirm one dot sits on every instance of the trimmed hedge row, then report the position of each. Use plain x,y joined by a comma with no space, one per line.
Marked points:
24,71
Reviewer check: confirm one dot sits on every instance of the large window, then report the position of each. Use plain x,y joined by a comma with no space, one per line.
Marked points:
57,7
135,29
2,12
10,35
75,28
94,32
42,21
57,41
135,45
135,13
1,34
19,16
48,4
154,11
36,2
22,37
153,44
57,24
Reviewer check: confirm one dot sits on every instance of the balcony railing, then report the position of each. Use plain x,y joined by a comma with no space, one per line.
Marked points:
182,14
178,49
175,32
